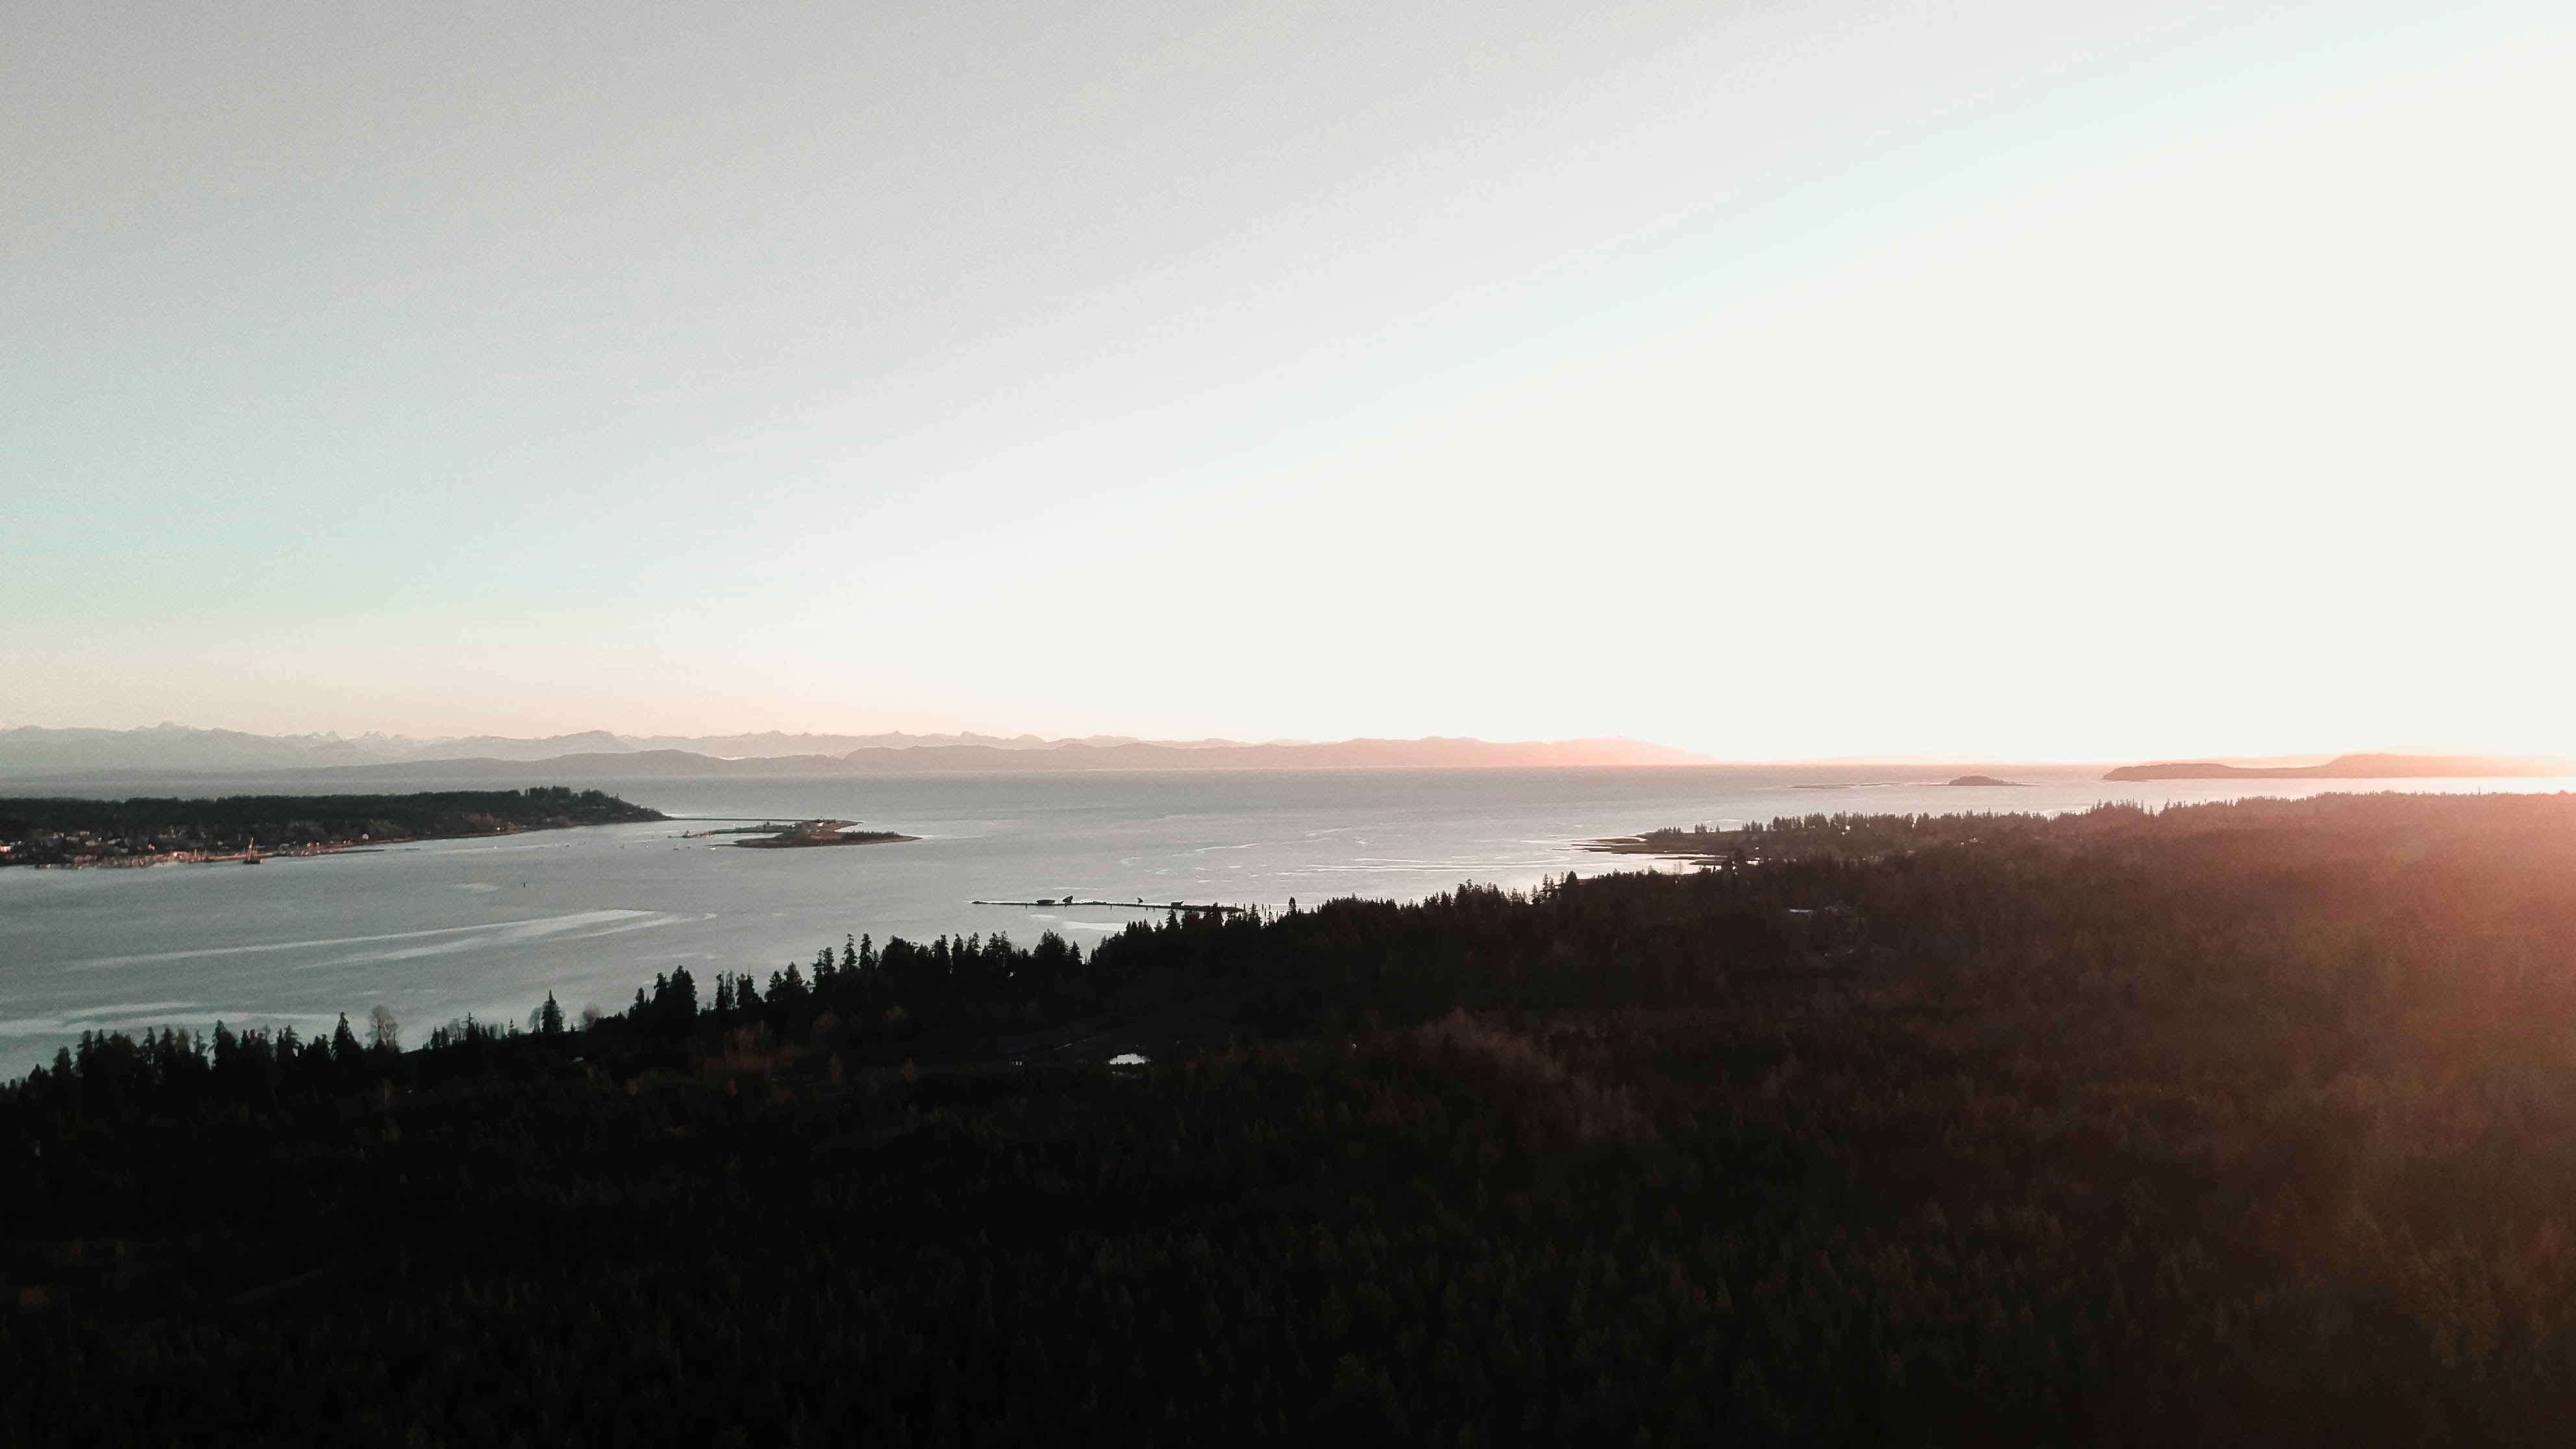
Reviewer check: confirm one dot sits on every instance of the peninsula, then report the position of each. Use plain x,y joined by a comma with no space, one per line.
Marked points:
253,827
1676,841
1811,837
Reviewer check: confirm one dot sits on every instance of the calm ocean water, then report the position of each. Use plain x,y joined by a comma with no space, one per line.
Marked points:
444,928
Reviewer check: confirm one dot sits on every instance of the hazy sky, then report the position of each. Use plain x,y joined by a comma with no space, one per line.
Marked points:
1996,379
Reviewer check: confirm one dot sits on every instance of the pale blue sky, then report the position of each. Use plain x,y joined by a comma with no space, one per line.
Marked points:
1767,379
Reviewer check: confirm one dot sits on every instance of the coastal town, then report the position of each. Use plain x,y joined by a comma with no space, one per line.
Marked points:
91,848
250,829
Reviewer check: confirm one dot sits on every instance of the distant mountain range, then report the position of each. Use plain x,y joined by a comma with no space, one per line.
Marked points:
2357,767
172,752
30,750
31,753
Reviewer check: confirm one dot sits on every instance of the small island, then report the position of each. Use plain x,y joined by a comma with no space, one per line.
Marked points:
1981,782
805,834
252,828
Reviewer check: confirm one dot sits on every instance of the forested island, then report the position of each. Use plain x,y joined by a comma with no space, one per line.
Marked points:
249,827
2249,1124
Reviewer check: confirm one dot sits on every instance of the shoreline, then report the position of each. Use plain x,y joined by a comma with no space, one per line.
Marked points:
256,857
138,832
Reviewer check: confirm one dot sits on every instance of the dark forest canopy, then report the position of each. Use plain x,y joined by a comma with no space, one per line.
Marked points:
2248,1124
51,831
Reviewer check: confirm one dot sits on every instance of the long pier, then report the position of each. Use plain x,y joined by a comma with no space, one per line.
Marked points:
1139,904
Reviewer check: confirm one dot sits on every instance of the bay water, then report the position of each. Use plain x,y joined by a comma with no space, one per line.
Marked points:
440,929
